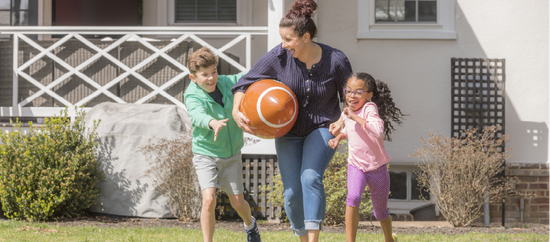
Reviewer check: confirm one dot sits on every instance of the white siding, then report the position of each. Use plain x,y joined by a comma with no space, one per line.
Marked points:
418,71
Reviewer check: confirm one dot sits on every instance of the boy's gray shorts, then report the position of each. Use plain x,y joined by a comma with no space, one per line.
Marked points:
225,173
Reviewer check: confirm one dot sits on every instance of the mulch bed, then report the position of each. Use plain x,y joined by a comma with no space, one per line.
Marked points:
237,225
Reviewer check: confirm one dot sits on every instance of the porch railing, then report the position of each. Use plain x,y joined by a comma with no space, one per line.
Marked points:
196,34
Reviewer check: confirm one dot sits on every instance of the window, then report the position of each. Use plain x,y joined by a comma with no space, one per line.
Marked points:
18,13
404,193
14,13
403,186
206,12
415,191
406,19
217,11
405,11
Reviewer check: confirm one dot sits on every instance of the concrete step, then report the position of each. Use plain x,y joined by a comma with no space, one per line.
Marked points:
410,224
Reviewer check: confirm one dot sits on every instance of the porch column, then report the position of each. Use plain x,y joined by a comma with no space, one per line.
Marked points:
15,102
275,12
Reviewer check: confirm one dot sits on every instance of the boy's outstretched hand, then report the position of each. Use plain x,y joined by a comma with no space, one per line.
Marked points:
216,125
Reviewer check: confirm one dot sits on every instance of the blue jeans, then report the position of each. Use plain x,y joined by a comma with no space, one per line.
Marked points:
302,163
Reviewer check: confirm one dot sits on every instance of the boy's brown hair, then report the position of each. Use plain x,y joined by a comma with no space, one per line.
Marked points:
203,57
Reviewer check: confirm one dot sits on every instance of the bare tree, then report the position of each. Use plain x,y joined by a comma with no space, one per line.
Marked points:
462,173
173,175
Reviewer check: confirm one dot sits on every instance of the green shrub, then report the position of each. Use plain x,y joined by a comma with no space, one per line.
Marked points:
336,189
274,195
51,171
335,181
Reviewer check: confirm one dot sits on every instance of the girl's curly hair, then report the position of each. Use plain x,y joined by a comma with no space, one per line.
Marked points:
387,110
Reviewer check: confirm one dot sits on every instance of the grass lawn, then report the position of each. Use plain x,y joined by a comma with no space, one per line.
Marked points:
25,231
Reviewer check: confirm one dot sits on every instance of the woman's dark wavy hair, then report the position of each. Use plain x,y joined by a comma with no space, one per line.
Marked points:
300,17
387,110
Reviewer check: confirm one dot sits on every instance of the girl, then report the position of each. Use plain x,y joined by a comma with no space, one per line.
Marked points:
365,127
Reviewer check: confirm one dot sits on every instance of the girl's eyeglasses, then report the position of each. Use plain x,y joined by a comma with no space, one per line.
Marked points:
356,93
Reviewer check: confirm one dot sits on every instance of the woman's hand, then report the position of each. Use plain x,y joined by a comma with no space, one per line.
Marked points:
241,120
336,127
216,125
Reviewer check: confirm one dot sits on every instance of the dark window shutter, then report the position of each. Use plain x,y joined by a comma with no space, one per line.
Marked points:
221,11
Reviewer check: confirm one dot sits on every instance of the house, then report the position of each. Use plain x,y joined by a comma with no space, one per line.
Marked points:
407,44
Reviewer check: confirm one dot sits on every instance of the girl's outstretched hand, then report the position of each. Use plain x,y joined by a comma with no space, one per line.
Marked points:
332,143
347,111
351,115
217,125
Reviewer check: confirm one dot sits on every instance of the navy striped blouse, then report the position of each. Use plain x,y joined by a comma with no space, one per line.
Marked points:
316,89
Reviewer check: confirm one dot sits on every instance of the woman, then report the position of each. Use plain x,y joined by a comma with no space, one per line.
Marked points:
316,73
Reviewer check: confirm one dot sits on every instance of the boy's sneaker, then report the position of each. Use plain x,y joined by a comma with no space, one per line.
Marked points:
394,236
253,235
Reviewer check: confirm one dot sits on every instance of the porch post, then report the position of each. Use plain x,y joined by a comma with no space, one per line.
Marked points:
15,103
275,10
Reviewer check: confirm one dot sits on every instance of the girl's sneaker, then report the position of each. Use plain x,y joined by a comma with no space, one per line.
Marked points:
394,236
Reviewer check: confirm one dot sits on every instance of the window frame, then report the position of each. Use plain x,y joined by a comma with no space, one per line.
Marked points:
444,28
403,206
409,172
407,184
244,16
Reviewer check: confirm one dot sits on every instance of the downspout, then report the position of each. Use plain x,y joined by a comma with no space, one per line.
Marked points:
521,207
486,215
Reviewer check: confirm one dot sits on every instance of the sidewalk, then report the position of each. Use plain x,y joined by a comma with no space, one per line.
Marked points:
411,224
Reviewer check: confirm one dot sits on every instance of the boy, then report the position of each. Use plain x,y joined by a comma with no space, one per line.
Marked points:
217,141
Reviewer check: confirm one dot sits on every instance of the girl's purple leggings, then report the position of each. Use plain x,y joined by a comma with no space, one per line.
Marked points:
379,184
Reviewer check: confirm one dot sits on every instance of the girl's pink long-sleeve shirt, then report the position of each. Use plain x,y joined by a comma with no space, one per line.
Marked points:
366,143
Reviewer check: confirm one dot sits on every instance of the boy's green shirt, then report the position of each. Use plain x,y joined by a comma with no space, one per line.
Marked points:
202,108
